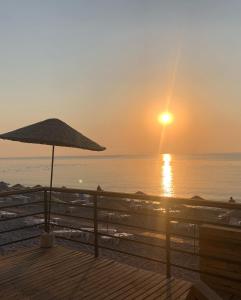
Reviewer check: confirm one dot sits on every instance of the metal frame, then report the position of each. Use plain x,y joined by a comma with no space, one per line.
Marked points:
165,201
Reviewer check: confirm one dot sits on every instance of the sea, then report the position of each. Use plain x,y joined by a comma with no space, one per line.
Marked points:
211,176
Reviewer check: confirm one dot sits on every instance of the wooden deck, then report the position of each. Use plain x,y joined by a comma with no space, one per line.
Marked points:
62,273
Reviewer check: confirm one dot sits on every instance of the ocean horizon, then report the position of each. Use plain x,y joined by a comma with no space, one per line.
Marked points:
221,155
211,176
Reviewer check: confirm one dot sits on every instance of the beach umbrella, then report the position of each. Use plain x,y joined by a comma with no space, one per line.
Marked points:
3,186
17,186
52,132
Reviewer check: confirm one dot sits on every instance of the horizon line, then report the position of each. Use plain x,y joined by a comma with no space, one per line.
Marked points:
95,156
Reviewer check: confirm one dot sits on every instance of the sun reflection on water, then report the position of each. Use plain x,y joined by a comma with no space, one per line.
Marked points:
167,175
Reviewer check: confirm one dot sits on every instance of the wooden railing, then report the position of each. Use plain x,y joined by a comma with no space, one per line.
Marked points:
167,203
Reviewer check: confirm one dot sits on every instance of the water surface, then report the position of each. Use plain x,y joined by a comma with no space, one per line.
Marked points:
216,176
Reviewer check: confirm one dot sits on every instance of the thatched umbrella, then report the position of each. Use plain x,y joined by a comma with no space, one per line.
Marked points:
52,132
3,186
17,186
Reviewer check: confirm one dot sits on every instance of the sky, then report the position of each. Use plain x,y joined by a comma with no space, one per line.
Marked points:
109,67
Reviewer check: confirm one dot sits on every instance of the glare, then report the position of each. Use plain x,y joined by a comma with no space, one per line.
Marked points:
167,158
165,118
167,176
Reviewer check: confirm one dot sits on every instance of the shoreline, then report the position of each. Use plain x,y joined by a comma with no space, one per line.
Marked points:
131,217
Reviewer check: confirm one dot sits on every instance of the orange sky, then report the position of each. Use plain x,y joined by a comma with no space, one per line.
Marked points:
108,70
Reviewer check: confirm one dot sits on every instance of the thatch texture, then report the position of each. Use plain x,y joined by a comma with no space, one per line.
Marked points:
52,132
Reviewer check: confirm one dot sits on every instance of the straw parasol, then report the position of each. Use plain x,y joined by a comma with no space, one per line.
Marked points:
17,186
3,186
52,132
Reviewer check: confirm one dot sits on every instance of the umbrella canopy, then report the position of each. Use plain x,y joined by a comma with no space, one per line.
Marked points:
52,132
17,186
3,186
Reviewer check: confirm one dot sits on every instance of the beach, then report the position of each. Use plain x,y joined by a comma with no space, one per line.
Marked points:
125,225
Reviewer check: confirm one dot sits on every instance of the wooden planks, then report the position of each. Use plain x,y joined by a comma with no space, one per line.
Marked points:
62,273
222,244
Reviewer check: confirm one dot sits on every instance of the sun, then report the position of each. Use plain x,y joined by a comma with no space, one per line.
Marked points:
165,118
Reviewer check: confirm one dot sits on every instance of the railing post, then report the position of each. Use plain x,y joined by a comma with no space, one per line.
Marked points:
194,240
96,226
168,257
46,223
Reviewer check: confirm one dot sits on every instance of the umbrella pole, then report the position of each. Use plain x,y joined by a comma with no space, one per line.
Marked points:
50,188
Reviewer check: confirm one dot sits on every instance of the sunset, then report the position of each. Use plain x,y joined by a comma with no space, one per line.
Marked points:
120,158
165,118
